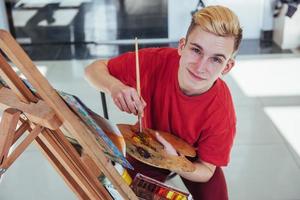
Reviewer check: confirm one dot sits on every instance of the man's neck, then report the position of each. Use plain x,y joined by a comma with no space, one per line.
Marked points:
195,92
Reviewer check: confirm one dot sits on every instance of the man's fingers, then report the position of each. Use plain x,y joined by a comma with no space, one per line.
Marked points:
127,99
161,139
138,103
167,146
124,105
144,102
130,103
118,104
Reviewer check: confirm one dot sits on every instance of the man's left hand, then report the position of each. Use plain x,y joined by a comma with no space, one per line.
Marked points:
167,146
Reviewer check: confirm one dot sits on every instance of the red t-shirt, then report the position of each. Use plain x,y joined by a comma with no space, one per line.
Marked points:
206,121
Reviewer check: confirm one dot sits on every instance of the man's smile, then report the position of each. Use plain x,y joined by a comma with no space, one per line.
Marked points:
194,76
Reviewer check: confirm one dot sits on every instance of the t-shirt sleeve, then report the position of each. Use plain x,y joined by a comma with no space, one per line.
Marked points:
215,144
123,67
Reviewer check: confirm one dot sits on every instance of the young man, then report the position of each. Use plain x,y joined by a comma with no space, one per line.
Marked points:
183,94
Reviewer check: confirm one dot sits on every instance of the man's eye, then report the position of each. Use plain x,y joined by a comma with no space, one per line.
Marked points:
218,60
196,50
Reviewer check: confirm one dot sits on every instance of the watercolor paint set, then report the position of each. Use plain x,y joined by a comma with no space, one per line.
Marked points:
149,189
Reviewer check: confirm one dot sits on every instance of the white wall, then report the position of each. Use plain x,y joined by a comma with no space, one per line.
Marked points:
287,30
267,17
3,16
250,13
179,17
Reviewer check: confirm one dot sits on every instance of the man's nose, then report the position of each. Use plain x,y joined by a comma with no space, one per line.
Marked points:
200,66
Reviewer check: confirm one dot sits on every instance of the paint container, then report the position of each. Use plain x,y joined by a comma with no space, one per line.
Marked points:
123,172
149,189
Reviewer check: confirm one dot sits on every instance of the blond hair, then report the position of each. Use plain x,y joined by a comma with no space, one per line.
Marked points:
218,20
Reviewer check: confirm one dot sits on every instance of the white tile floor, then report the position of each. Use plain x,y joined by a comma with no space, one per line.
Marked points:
265,160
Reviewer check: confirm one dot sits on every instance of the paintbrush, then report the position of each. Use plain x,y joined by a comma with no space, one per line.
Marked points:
138,86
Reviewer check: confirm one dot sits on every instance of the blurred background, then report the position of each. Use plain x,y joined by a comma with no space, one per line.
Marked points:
63,36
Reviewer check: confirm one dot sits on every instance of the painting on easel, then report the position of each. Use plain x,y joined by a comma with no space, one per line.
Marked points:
102,128
104,131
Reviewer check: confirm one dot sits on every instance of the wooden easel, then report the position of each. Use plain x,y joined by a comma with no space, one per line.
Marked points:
45,115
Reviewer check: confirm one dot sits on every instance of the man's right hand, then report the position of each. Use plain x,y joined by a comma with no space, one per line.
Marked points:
126,98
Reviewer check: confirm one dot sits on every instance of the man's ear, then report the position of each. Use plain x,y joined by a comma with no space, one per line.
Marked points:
181,45
228,66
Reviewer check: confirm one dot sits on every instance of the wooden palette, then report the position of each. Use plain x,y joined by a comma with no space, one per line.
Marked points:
145,148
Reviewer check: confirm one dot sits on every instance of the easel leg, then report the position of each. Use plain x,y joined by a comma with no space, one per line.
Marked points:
62,170
67,161
8,126
21,147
